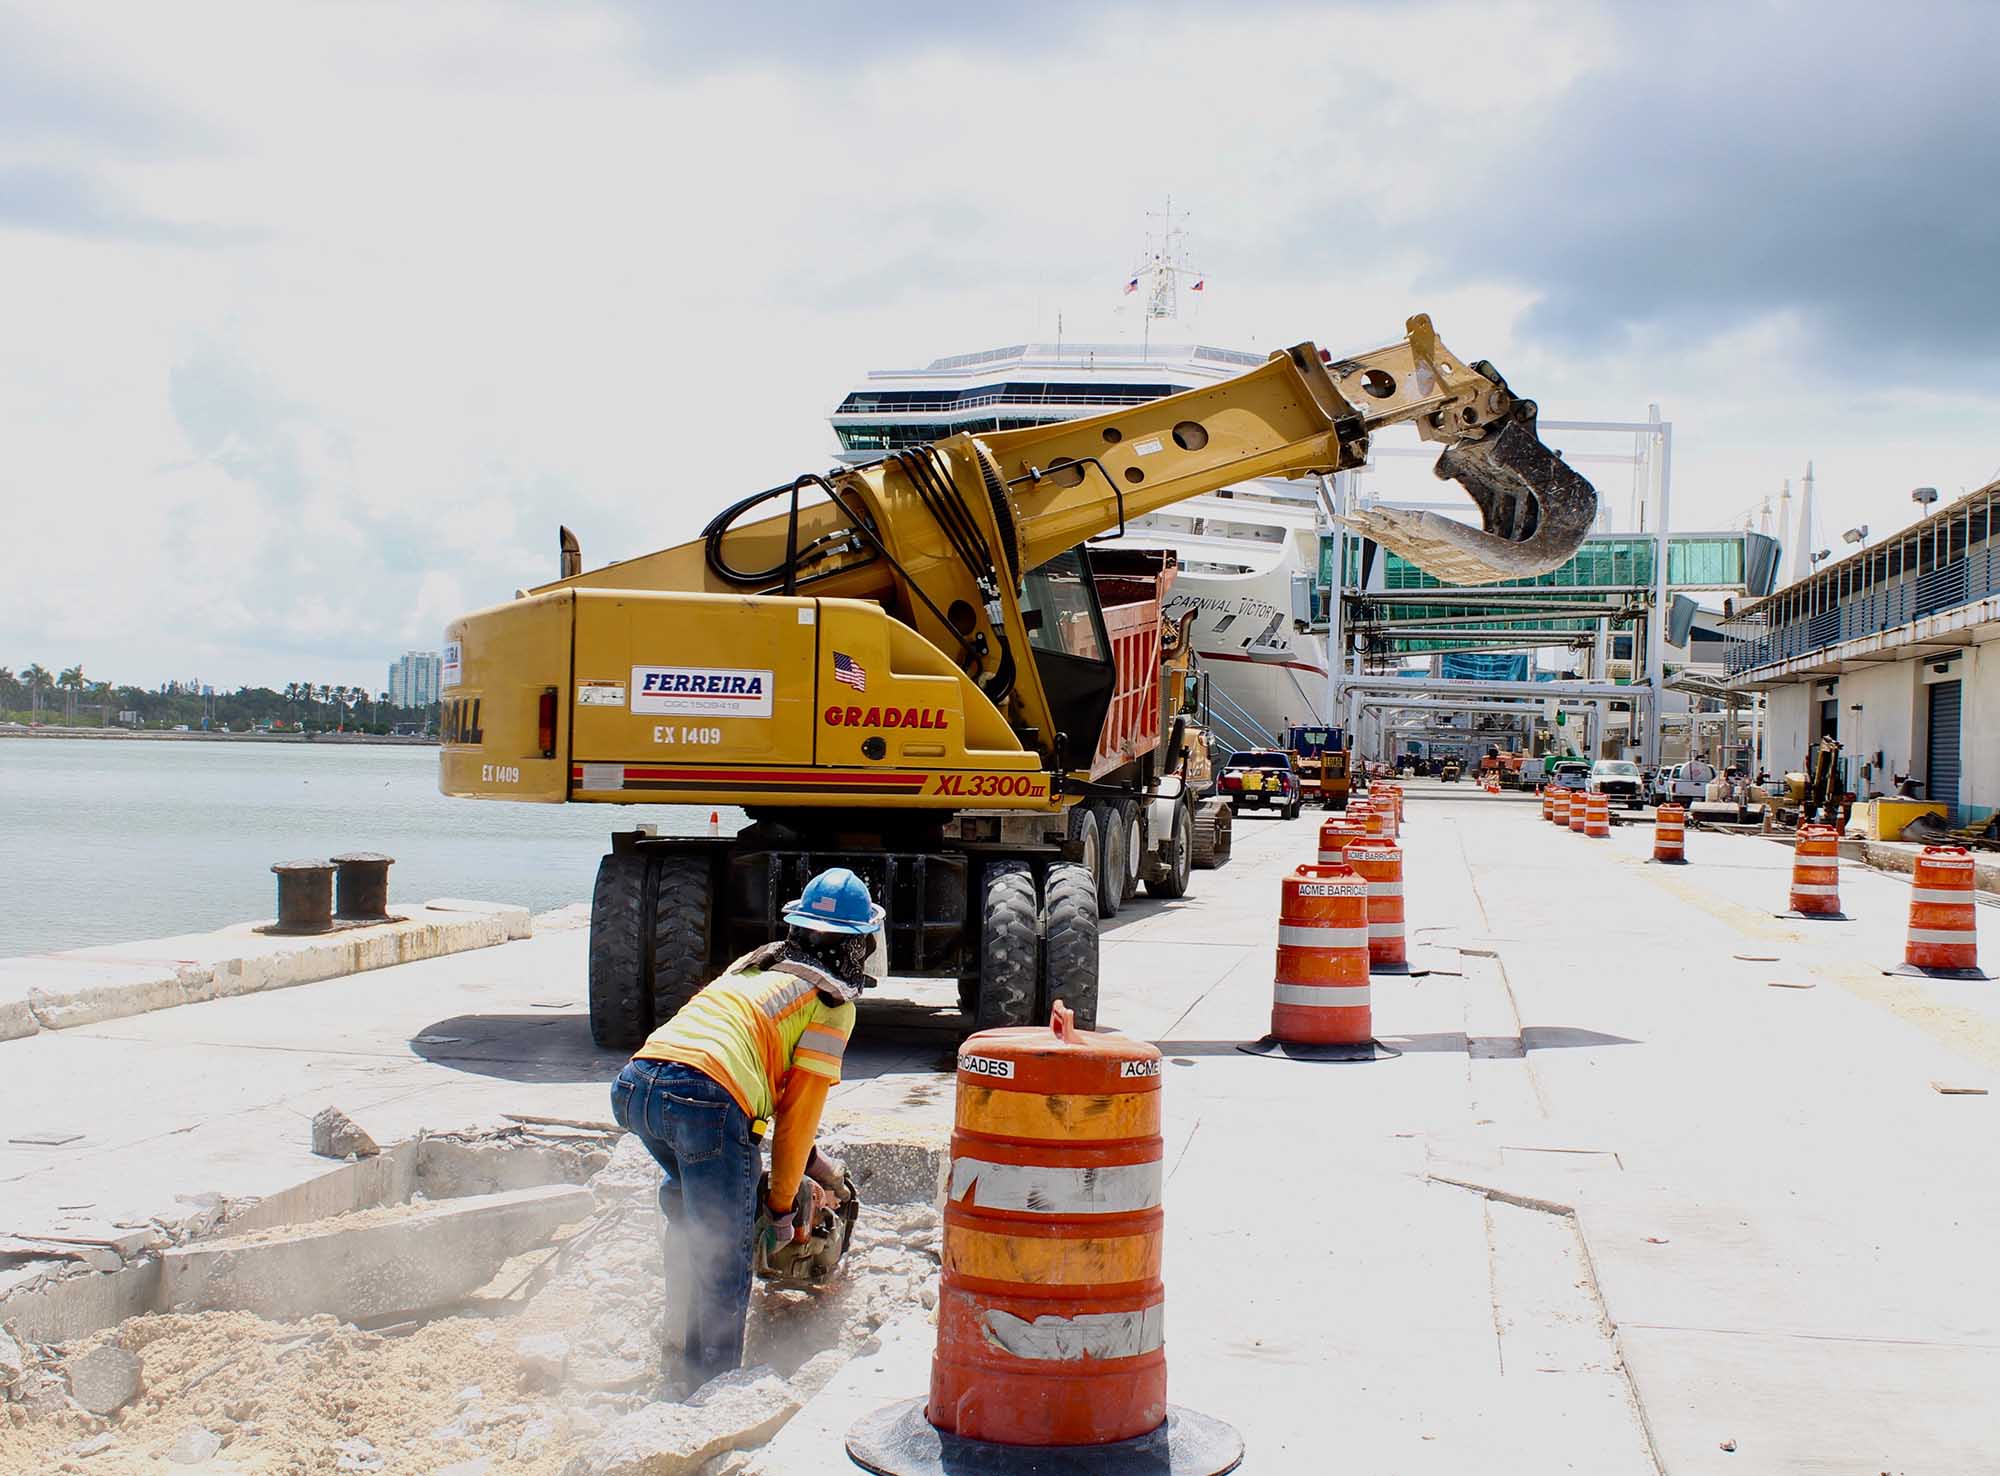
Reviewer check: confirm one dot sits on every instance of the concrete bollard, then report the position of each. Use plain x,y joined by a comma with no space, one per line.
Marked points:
305,897
361,882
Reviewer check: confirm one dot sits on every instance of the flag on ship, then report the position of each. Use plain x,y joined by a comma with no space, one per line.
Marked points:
1132,286
1199,284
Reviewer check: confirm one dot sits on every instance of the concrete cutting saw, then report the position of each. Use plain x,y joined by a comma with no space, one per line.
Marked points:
809,1261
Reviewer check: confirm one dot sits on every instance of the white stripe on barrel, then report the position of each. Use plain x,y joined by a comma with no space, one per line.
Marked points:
1322,996
1113,1189
1295,935
1053,1339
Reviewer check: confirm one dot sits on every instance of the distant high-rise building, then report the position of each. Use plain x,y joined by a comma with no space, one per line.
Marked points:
413,679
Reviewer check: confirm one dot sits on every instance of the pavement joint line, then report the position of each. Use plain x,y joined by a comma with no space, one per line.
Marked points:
1874,1340
1507,1196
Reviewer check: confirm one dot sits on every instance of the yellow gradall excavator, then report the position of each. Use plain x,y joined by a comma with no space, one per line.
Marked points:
903,668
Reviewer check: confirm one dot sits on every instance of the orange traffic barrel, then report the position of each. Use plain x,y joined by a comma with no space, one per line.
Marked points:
1597,815
1320,989
1579,809
1051,1311
1559,799
1395,792
1380,864
1335,835
1051,1317
1944,929
1816,872
1378,818
1548,802
1670,834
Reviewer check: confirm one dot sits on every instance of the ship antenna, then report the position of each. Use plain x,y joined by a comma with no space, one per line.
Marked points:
1162,268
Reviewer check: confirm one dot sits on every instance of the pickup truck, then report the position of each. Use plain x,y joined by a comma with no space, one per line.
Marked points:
1570,773
1259,777
1618,779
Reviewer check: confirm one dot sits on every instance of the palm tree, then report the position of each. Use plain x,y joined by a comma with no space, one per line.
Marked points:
71,682
10,688
37,680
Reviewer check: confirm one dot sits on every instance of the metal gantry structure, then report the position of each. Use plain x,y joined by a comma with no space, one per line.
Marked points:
1388,610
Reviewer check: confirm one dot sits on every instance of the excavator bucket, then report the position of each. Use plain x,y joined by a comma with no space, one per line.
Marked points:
1535,508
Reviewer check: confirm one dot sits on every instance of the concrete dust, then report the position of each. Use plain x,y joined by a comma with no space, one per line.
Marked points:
552,1368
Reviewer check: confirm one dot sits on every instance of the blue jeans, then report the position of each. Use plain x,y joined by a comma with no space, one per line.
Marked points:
702,1141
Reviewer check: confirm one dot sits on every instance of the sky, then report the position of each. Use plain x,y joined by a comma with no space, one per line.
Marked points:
317,319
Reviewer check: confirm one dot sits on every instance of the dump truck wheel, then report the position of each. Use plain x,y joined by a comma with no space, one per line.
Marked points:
1083,830
1173,879
1212,836
1069,943
1111,862
621,991
683,917
1009,950
1135,842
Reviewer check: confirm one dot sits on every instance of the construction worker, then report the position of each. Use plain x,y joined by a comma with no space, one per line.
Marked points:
759,1046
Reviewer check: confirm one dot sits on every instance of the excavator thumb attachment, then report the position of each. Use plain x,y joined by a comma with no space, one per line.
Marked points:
1536,509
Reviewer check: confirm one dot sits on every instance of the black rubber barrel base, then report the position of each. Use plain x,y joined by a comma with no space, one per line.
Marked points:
1367,1050
899,1441
1812,916
1397,969
1918,971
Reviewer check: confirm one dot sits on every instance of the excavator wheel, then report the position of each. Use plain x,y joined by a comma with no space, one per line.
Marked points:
1009,949
1173,880
621,990
1069,943
1112,862
1212,835
683,918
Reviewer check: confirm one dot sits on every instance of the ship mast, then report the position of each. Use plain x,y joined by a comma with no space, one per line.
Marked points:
1161,268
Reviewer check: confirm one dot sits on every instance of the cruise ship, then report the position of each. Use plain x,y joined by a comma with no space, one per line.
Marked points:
1240,548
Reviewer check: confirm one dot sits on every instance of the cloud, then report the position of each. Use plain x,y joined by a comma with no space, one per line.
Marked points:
1828,161
468,271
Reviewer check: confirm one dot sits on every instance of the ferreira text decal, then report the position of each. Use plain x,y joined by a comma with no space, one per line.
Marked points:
701,691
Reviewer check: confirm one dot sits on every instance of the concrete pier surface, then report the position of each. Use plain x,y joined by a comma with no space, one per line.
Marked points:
1660,1181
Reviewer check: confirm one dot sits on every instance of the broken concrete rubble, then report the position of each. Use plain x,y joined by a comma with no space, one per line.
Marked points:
335,1135
400,1266
738,1409
105,1379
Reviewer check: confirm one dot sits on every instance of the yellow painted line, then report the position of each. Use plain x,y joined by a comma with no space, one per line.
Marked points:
1035,1260
1037,1115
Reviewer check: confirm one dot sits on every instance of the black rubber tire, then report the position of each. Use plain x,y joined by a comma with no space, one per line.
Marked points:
621,990
1069,943
683,925
1112,864
1083,823
1213,837
1135,844
1173,879
1009,948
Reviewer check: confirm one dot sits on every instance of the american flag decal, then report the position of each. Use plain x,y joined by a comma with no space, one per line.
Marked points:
847,669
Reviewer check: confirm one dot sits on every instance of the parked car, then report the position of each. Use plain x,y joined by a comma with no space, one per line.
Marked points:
1620,780
1662,787
1570,773
1261,777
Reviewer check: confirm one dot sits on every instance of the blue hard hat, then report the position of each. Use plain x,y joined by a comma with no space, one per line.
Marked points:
835,901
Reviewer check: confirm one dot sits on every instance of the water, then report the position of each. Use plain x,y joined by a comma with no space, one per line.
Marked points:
114,840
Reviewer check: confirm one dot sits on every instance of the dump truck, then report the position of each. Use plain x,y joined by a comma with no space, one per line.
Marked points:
1141,814
903,667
